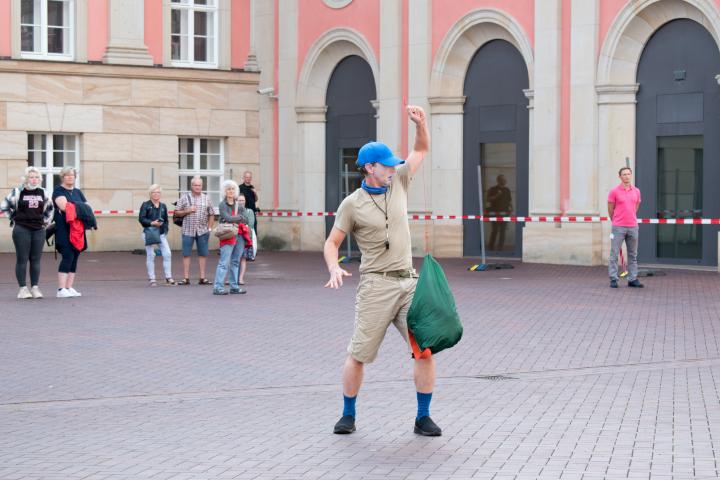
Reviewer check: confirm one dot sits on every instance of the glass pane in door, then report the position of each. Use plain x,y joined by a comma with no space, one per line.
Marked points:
679,195
499,183
350,178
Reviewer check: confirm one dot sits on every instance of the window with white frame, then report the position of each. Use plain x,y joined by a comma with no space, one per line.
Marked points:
50,153
46,28
193,32
202,157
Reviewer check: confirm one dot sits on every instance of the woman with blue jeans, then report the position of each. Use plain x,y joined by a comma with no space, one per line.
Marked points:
153,215
230,250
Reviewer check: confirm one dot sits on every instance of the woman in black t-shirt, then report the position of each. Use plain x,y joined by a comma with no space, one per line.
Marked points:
62,195
30,211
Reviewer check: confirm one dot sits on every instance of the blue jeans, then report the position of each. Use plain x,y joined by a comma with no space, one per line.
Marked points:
200,240
229,260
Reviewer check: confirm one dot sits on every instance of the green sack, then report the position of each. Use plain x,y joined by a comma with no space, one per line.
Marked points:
433,318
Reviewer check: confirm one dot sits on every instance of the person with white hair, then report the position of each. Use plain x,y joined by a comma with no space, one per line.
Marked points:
154,219
30,211
198,215
232,213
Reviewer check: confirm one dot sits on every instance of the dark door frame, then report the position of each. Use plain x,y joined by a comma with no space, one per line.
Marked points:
498,88
350,121
678,48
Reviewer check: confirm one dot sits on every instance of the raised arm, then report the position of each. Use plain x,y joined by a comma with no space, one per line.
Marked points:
422,138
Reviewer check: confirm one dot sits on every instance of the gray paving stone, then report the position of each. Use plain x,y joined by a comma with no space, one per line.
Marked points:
132,383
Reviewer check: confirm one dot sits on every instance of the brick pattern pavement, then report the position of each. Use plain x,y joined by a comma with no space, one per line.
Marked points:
130,382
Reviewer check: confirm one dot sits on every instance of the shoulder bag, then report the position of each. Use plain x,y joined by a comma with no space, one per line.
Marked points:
178,220
226,231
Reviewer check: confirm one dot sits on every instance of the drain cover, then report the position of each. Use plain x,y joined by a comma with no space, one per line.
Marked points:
495,378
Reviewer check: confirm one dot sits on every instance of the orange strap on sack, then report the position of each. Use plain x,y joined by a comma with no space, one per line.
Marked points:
416,349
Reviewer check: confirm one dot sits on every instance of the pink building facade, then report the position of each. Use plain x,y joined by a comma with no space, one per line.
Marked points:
533,107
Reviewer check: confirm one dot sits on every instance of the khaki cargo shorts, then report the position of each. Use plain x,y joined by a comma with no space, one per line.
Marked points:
380,301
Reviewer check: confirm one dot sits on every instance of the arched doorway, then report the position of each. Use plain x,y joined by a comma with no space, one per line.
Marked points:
677,150
495,141
350,124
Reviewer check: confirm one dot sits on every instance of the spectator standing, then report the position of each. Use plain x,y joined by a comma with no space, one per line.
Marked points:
500,204
154,215
67,198
623,204
231,212
248,250
199,216
251,197
30,211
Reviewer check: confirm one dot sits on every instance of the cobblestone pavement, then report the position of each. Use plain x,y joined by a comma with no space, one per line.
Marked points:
557,377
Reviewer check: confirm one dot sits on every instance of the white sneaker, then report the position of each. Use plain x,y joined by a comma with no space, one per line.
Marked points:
24,293
74,293
35,292
64,293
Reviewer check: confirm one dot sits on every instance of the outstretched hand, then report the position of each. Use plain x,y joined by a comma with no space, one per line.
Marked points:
336,277
416,114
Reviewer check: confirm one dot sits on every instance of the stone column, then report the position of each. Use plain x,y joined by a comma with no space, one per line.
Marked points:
311,173
447,173
616,141
544,184
289,196
586,247
389,83
251,64
419,66
546,150
126,29
583,108
265,35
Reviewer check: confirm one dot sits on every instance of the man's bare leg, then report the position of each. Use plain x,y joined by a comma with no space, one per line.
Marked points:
202,261
424,373
186,267
352,379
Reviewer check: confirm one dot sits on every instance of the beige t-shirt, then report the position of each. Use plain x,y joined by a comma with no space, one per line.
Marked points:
359,216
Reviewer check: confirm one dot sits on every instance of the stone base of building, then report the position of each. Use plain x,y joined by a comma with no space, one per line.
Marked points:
564,244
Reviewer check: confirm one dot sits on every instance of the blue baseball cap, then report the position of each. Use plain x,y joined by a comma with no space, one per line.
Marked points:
377,152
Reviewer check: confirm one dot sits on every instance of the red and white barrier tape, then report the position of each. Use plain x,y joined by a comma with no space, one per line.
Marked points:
484,218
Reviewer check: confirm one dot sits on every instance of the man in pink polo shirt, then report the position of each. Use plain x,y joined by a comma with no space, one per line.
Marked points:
623,204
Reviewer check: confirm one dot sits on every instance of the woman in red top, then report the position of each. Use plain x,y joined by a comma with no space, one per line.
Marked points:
230,212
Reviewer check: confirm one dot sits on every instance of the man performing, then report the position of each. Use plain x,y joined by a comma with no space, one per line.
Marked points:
623,204
377,216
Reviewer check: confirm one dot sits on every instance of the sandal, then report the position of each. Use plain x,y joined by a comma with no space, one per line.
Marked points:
153,283
170,282
203,281
184,281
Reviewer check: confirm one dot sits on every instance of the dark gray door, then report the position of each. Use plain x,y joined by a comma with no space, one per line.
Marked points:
350,124
678,146
495,138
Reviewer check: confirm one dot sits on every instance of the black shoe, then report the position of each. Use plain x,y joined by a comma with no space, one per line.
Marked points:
636,284
613,283
345,425
237,291
425,426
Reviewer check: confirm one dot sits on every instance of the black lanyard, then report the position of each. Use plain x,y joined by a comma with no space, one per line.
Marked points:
387,231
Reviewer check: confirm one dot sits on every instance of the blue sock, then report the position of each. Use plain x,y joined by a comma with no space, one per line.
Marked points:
349,405
423,400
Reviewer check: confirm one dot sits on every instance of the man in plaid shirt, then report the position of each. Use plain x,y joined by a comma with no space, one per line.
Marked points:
199,216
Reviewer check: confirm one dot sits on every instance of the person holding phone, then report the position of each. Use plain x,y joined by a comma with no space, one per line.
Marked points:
154,214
